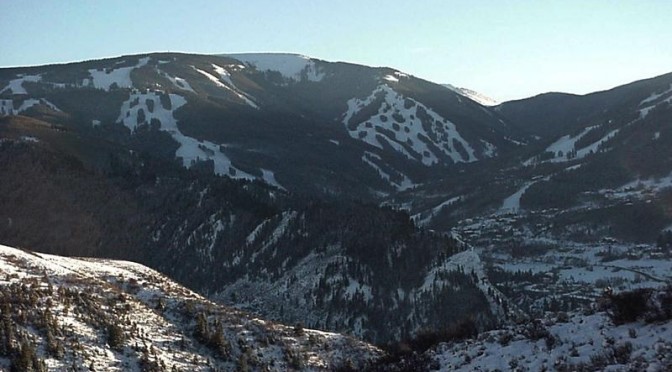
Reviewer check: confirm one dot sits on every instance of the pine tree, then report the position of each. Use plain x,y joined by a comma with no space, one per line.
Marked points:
201,332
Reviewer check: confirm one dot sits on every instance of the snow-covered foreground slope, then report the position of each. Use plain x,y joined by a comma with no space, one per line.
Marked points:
578,343
114,315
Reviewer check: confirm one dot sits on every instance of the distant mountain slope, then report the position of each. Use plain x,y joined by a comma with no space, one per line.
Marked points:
551,114
291,121
474,95
337,265
595,166
84,313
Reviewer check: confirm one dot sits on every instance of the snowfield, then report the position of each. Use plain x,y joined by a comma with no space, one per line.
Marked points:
408,126
292,67
136,111
16,86
104,79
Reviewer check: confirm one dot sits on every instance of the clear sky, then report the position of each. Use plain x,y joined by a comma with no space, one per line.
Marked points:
501,48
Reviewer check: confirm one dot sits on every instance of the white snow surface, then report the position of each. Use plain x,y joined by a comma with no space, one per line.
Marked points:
410,137
650,103
473,95
269,177
512,203
577,341
225,76
7,106
292,67
191,150
490,150
177,81
567,143
647,185
423,221
16,85
224,81
102,79
138,289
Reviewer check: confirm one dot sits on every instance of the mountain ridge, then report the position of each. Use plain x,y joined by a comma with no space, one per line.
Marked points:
355,192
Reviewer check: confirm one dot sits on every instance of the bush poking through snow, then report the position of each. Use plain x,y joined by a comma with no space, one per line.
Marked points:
457,332
640,304
628,307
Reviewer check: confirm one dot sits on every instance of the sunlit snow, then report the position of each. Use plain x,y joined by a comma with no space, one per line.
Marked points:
104,79
191,150
291,66
397,124
16,85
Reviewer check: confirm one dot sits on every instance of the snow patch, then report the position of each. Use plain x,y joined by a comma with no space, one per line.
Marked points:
434,211
512,203
104,79
391,78
489,150
178,82
225,76
567,144
191,150
292,67
29,139
269,177
7,106
474,96
650,103
16,86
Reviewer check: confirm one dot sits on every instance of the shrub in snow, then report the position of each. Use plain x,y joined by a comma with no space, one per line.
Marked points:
627,307
659,306
458,331
640,304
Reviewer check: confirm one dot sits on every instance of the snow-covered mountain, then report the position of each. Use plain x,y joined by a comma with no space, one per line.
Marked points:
60,313
337,265
305,190
288,120
473,95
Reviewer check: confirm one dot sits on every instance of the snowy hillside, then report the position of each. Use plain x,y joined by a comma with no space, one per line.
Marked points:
113,315
386,118
473,95
265,117
575,342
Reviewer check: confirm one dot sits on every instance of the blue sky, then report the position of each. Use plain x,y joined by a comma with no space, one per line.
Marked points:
505,49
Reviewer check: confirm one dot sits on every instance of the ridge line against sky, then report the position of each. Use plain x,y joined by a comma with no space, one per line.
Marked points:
503,49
